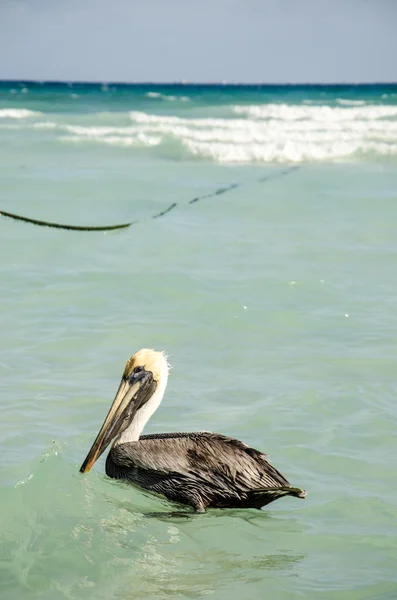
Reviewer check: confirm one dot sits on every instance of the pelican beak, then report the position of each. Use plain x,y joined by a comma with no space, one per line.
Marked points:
134,391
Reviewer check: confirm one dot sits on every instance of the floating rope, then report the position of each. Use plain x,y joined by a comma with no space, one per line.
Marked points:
61,226
164,212
233,186
217,192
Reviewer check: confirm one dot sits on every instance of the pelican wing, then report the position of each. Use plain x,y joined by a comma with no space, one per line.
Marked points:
216,459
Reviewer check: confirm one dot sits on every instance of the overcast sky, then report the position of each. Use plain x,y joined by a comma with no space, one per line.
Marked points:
199,40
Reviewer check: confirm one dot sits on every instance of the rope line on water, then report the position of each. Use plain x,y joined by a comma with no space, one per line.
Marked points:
61,226
167,210
217,192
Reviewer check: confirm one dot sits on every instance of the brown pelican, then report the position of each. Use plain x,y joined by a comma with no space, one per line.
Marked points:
200,469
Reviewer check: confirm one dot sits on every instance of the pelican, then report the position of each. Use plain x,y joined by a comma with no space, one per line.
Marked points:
198,469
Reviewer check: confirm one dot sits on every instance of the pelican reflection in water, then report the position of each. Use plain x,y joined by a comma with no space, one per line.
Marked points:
200,469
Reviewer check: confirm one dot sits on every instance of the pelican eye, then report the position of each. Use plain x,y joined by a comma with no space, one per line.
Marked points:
136,374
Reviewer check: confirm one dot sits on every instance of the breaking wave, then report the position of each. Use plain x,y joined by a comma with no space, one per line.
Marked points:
324,114
168,97
18,113
262,133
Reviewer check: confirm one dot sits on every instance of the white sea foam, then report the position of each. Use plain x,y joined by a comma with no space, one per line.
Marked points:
287,112
167,97
115,140
266,133
18,113
346,102
44,125
96,131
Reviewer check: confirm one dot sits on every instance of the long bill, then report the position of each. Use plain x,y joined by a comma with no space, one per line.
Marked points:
130,396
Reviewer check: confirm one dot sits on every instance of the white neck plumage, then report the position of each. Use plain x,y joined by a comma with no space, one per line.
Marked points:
142,416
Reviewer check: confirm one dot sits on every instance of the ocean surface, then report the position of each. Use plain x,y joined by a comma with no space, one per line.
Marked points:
262,257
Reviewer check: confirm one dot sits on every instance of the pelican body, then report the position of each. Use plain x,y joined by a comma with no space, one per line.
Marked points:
199,469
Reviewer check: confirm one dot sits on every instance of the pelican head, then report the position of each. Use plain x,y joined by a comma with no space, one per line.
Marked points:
140,392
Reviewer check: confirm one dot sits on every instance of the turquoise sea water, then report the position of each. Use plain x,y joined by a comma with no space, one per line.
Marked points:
275,299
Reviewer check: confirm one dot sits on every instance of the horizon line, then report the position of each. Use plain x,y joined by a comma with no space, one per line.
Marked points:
184,82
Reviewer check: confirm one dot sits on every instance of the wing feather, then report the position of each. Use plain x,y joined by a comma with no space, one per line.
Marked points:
213,458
